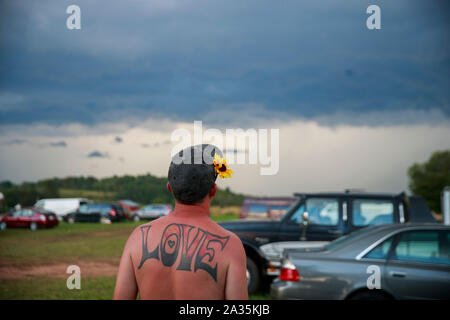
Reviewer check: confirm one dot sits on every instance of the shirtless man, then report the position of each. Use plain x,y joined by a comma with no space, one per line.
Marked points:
184,255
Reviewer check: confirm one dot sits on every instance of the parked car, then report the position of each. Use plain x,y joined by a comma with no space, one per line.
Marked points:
152,211
97,212
32,218
412,261
315,219
61,206
130,207
263,208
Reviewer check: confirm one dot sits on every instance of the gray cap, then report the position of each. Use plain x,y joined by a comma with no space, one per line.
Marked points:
192,174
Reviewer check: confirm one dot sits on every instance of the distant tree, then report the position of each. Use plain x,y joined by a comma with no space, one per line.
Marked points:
48,188
429,178
25,195
6,184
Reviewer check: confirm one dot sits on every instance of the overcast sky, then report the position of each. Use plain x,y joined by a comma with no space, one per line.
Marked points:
355,107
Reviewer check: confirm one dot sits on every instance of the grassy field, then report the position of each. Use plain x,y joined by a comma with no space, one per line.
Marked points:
32,264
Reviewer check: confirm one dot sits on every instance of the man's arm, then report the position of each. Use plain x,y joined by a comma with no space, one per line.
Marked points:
236,283
126,286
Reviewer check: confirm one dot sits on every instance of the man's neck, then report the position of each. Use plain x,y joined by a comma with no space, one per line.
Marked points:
199,210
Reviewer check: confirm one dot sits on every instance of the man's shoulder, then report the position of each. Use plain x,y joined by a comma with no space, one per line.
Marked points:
234,241
225,231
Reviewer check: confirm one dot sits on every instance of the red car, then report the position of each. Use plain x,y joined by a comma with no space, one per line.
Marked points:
130,207
32,218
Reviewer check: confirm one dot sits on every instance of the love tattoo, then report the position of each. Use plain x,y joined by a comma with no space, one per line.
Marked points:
196,248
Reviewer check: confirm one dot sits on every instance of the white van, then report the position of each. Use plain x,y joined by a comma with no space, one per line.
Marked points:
61,206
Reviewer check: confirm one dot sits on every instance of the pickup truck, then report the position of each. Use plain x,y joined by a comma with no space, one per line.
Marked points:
314,220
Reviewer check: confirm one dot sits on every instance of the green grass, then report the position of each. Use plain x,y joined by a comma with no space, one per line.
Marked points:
64,243
98,288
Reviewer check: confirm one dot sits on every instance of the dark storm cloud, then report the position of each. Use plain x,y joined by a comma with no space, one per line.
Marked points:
16,142
58,144
98,154
187,59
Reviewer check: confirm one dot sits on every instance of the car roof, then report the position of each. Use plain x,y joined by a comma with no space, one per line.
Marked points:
366,237
349,194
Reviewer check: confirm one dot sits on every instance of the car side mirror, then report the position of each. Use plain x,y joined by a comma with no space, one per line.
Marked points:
305,218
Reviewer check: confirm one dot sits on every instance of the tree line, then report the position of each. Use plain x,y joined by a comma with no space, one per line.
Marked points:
142,189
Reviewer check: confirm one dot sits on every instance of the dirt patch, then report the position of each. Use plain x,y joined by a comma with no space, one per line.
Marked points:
58,270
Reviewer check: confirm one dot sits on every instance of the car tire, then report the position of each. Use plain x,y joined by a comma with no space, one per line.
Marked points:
3,226
33,226
369,295
253,278
136,218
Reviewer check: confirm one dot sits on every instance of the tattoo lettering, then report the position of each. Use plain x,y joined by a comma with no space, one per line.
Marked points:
145,254
191,246
185,241
207,251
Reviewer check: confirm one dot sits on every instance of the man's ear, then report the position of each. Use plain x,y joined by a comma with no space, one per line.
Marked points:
168,188
213,191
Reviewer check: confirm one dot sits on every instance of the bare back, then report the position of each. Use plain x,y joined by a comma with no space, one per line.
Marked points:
184,257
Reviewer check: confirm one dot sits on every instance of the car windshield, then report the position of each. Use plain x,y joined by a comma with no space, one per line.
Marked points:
287,214
345,239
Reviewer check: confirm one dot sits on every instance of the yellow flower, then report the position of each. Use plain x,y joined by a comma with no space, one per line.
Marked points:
221,167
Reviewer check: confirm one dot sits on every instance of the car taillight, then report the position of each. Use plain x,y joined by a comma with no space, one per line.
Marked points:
288,272
112,212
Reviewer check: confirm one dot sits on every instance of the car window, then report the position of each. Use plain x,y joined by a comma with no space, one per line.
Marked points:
422,246
27,213
17,213
323,211
381,251
372,212
83,209
297,216
257,209
444,244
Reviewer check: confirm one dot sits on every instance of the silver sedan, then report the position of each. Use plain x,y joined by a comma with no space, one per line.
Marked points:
410,261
